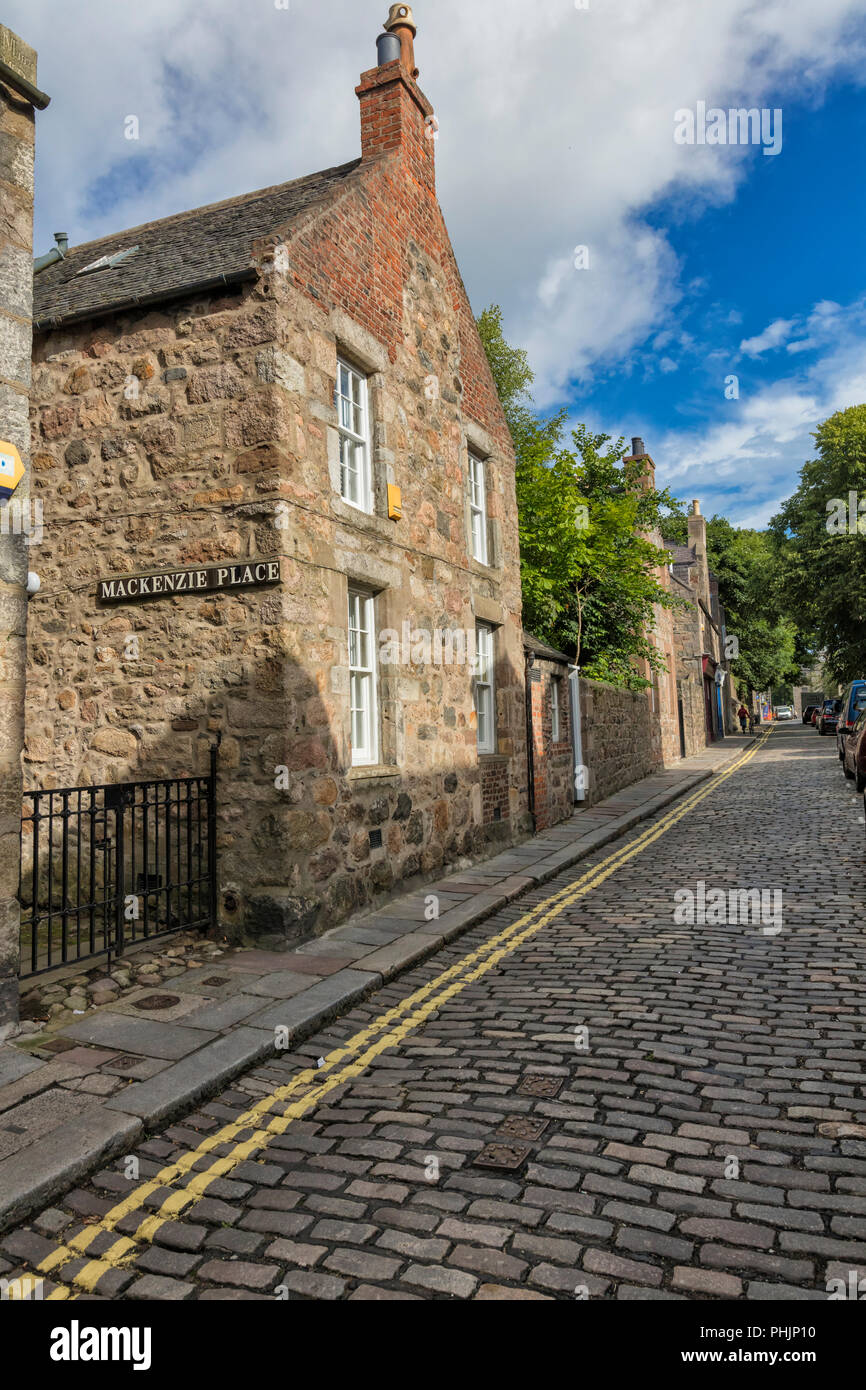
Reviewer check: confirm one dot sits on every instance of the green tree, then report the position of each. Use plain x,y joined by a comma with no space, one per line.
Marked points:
589,570
820,578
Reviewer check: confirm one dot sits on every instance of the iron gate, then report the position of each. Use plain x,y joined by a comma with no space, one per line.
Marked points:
105,866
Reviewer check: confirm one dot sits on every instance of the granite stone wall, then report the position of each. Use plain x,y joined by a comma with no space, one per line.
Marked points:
16,286
620,744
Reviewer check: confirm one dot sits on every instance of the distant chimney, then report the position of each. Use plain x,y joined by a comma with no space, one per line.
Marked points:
697,531
401,23
396,117
637,448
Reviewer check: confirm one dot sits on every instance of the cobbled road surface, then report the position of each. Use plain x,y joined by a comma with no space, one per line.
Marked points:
704,1131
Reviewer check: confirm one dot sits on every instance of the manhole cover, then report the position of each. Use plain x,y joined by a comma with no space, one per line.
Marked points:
545,1086
157,1001
508,1157
521,1127
217,980
123,1062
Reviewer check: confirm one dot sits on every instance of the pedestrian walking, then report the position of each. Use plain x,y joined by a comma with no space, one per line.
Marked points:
743,716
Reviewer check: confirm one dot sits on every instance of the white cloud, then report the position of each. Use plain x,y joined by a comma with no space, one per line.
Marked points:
773,336
556,129
758,446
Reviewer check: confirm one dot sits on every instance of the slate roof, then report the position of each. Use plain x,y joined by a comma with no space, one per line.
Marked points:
680,554
206,246
534,644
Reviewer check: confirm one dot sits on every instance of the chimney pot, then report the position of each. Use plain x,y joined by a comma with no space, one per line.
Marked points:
696,508
62,240
389,49
401,15
637,447
401,23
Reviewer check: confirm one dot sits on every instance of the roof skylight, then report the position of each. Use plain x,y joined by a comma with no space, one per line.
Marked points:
107,262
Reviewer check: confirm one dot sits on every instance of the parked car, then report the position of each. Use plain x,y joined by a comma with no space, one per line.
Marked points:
829,716
808,712
854,752
784,711
853,701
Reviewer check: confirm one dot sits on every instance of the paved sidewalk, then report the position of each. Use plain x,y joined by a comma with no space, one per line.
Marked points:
101,1083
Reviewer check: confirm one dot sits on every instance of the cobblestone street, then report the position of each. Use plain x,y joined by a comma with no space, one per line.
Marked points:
683,1104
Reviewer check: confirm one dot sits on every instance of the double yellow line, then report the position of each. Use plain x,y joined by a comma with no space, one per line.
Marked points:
307,1090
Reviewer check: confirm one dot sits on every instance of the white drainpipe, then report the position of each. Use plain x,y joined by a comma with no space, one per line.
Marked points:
577,734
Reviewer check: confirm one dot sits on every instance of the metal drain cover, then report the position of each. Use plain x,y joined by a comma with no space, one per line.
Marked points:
521,1127
217,980
507,1157
544,1086
157,1001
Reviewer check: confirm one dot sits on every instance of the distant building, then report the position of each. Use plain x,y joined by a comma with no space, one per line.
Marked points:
706,698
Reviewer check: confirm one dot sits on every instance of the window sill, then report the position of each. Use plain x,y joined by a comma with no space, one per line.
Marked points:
376,771
493,758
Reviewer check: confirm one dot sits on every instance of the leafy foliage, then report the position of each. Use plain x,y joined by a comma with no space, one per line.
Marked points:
589,571
820,559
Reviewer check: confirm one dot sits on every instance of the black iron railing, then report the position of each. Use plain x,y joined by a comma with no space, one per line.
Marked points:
105,866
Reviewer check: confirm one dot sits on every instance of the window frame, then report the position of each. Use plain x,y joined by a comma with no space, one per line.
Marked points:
555,717
368,754
477,492
350,438
484,689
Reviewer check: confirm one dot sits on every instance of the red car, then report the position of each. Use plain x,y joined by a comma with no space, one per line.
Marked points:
854,755
815,712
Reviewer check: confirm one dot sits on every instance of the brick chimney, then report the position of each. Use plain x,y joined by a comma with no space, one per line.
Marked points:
639,455
396,117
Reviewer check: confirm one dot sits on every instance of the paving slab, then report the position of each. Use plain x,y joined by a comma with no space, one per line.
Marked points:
88,1058
15,1064
221,1014
141,1035
282,984
314,965
318,1004
255,960
33,1118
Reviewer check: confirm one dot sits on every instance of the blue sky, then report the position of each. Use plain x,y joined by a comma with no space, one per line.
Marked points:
556,130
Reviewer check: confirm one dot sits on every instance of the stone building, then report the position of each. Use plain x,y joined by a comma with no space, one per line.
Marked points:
706,696
662,726
280,513
19,97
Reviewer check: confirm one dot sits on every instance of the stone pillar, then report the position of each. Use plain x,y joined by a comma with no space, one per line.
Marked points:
16,298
